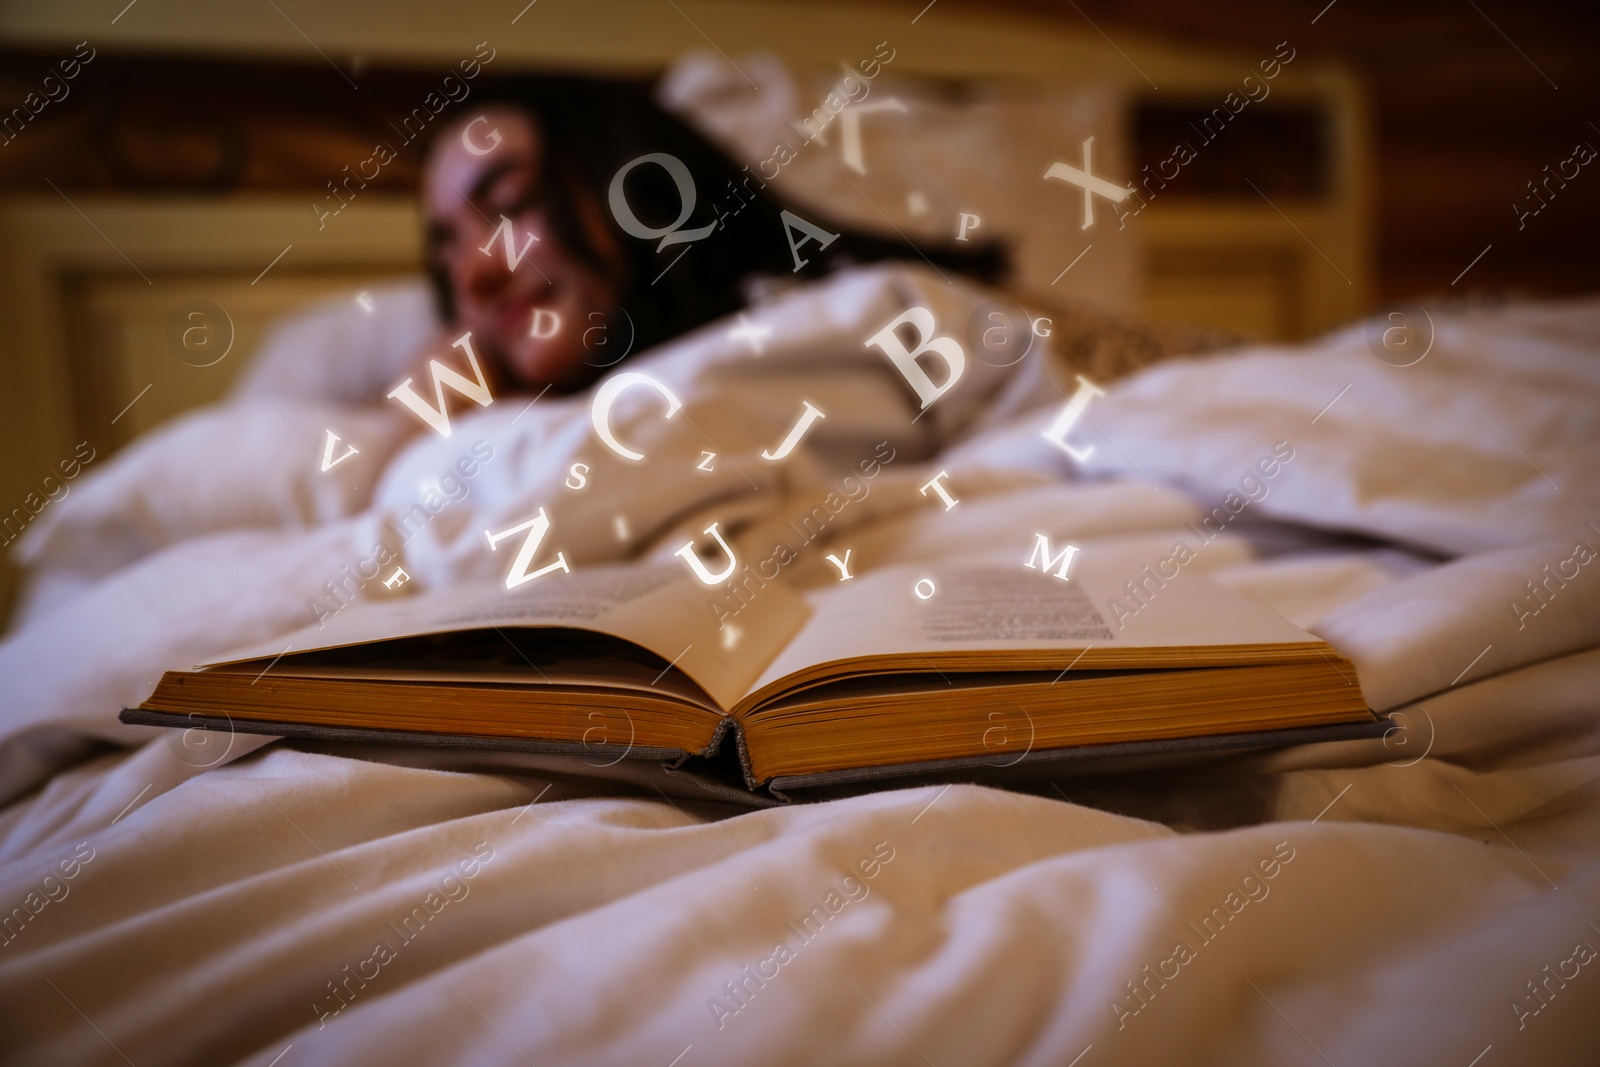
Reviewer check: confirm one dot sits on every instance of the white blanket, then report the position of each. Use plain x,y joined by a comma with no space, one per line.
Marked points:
1428,898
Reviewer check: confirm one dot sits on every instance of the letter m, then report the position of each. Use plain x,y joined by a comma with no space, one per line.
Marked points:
474,390
1041,554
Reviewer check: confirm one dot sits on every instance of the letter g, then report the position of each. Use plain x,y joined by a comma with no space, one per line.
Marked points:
466,138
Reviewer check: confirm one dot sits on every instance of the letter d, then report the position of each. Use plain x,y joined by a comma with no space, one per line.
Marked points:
545,316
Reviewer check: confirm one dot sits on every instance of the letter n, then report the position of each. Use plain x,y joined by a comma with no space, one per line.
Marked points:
476,391
537,527
1041,554
505,233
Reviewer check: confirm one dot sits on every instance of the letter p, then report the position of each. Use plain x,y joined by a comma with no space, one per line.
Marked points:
968,222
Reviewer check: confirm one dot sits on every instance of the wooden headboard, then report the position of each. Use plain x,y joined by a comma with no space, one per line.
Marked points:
92,279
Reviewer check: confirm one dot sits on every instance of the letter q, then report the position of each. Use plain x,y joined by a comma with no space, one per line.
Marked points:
477,150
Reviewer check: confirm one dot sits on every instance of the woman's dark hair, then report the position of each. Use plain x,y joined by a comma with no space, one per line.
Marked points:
591,129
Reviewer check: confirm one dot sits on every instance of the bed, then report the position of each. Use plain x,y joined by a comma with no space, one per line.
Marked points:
1427,897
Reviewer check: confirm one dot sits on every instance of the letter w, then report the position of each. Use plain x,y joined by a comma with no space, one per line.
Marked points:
476,391
1041,554
537,527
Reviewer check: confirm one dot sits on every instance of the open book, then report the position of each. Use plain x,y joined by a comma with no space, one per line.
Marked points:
855,679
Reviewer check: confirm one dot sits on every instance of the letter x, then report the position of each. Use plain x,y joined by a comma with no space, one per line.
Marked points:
1090,184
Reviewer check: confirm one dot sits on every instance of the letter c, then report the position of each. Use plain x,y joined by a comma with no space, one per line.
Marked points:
466,138
607,395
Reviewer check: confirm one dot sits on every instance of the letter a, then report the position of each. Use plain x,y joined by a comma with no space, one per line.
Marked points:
537,527
793,222
905,360
476,391
513,254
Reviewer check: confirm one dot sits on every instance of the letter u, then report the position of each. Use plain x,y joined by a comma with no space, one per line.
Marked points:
699,568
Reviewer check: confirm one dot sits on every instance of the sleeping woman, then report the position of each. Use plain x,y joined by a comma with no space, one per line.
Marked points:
573,164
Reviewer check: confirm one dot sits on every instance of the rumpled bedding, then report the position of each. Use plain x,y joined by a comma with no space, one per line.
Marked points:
1430,897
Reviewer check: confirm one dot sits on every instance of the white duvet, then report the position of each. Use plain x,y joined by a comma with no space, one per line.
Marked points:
1432,897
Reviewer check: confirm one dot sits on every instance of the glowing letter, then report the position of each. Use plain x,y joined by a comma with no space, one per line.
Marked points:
1091,185
850,123
809,414
967,222
513,254
328,462
704,464
1041,552
1056,434
751,332
541,315
477,392
917,589
581,475
842,564
905,360
398,578
607,395
466,138
938,487
687,552
537,527
670,235
793,222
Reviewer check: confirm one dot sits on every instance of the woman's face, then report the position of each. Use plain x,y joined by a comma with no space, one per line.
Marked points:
527,320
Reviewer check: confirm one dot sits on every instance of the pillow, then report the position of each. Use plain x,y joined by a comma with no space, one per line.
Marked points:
344,350
922,154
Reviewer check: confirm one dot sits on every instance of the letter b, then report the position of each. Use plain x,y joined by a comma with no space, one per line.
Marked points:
905,360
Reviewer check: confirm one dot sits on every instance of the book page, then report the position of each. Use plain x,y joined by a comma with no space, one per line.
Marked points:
977,608
659,607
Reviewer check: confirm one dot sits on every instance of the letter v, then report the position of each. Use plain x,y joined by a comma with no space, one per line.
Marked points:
537,527
476,391
328,462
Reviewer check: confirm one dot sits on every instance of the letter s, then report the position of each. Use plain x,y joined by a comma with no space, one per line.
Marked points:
582,477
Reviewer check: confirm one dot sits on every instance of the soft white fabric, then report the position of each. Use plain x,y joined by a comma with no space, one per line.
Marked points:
1418,883
928,155
254,463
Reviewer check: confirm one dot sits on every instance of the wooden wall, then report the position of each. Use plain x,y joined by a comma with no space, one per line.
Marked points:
1464,113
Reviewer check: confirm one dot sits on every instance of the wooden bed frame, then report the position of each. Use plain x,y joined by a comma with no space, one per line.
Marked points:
86,328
